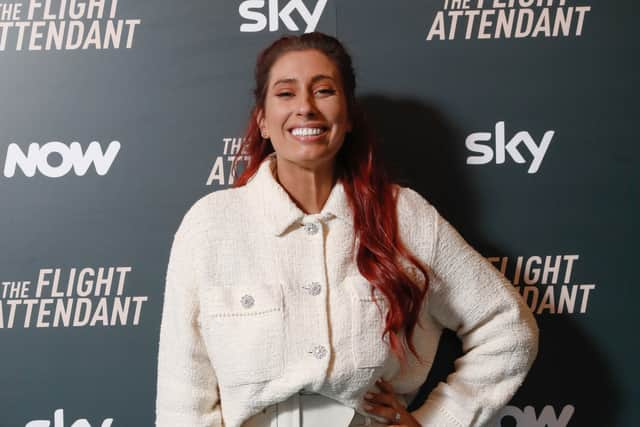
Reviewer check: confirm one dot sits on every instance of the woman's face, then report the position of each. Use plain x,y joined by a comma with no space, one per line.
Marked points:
305,112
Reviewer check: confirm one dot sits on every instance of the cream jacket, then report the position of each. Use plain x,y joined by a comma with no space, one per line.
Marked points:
263,300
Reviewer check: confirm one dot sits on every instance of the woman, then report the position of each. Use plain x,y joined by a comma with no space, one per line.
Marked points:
314,292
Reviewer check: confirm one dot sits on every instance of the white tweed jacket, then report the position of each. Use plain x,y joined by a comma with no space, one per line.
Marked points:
263,300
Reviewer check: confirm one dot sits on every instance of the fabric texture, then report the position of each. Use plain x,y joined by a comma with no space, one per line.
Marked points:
309,410
263,300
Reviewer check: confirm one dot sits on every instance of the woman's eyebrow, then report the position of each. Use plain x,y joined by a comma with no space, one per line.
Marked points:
293,80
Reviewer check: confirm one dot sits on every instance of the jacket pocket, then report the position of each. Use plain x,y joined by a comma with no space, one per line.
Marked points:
367,324
245,328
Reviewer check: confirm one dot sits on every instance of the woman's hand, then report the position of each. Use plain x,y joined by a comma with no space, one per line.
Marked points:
385,405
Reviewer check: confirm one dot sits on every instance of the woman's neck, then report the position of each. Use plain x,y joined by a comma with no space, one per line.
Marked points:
309,188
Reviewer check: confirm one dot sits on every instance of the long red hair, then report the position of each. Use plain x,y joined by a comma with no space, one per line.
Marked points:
368,188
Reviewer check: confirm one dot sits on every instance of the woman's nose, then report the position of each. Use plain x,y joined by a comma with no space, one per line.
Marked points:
306,105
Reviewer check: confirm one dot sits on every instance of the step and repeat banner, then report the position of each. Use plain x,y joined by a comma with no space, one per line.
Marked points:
515,118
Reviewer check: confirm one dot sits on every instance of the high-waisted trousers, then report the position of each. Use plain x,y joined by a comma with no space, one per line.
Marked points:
309,410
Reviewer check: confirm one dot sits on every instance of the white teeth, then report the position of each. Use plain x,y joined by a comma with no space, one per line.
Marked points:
306,131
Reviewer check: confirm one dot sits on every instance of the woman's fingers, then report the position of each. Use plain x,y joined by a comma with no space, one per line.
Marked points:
383,404
384,385
383,411
383,399
386,405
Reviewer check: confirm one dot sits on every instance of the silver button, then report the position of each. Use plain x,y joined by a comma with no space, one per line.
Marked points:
247,301
314,288
319,351
311,227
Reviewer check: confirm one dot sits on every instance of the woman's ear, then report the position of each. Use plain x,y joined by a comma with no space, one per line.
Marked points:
261,125
259,117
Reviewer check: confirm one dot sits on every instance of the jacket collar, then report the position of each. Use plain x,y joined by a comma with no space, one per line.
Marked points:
280,212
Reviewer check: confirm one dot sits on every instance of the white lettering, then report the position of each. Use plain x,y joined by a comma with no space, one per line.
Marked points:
58,421
528,418
38,157
502,147
248,10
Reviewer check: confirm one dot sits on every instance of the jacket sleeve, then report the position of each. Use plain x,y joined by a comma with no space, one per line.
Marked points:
187,394
498,332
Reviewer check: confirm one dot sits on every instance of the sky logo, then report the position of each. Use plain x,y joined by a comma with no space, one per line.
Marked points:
58,421
253,10
479,142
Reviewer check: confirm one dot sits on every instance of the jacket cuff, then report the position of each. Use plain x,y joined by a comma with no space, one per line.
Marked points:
438,412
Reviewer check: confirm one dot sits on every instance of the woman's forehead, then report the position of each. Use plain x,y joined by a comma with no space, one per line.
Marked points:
305,66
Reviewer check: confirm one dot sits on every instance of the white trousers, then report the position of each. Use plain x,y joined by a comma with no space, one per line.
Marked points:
309,410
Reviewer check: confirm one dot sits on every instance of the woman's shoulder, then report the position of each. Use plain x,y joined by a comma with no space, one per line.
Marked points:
417,222
411,204
215,210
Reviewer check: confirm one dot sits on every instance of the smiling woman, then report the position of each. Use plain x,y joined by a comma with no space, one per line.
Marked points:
322,299
305,117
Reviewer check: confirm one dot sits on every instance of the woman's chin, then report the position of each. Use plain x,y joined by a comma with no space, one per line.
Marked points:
312,158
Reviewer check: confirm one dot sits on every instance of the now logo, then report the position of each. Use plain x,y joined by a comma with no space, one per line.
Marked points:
528,418
38,158
475,143
58,421
249,10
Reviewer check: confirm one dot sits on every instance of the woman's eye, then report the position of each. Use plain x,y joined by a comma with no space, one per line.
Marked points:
326,91
284,94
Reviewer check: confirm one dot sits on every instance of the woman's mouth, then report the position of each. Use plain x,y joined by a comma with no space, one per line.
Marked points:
308,134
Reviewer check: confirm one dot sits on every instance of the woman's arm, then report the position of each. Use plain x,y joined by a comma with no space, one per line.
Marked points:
498,331
187,385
